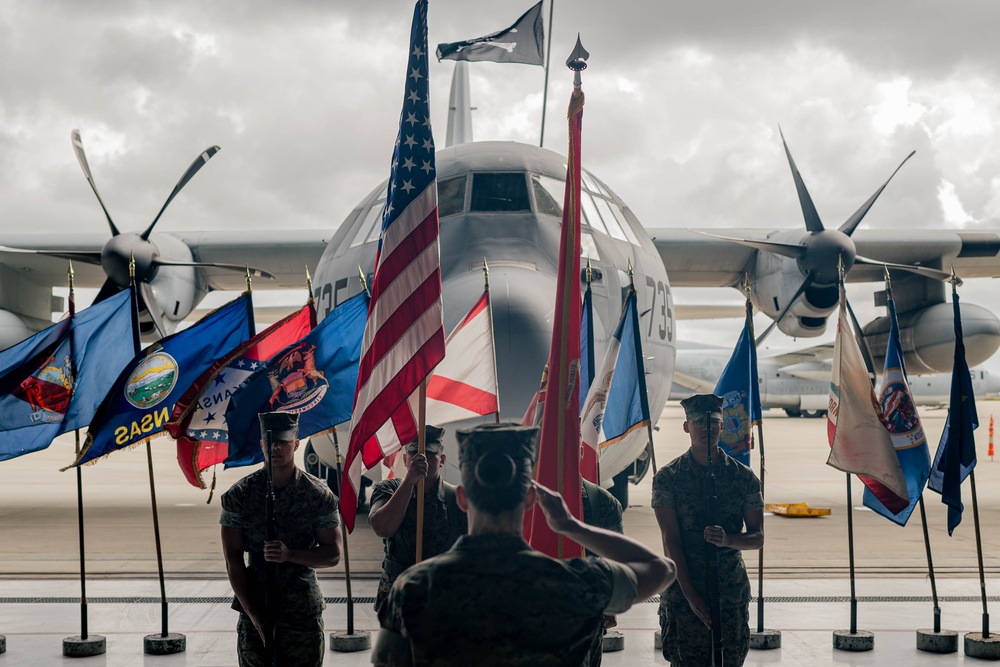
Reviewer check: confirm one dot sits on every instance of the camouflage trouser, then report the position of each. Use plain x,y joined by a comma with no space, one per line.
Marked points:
300,643
688,643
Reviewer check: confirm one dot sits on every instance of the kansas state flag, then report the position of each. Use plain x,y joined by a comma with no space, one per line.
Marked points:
142,398
738,386
314,377
903,424
53,382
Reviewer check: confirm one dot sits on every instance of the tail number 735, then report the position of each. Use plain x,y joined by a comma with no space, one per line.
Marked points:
661,311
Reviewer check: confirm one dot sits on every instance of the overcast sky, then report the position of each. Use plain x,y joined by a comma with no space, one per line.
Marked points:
684,101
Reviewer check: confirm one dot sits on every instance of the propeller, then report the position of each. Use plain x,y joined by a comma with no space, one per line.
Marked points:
116,254
818,254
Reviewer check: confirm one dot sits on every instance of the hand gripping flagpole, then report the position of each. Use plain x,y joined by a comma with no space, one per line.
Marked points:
163,643
84,644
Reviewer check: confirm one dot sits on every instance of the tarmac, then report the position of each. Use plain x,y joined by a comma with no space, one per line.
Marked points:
806,587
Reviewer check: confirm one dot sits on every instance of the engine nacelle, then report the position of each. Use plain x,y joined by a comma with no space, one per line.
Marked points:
776,279
12,329
175,288
928,337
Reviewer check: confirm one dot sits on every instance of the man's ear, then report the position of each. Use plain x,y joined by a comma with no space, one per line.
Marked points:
461,499
529,499
442,457
687,426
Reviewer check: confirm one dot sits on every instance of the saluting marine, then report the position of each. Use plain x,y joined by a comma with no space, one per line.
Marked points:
493,600
680,502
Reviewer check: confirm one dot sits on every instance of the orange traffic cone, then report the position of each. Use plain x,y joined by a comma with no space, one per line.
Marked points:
989,452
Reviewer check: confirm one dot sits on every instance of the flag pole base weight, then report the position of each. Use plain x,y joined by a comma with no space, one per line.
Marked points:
945,641
612,641
985,648
3,644
78,647
845,640
344,642
658,641
765,640
167,644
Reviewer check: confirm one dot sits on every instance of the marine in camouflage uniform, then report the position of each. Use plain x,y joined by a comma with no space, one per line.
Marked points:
444,522
305,513
681,489
493,600
603,510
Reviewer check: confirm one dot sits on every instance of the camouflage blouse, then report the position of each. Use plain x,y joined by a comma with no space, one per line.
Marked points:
682,484
493,600
303,507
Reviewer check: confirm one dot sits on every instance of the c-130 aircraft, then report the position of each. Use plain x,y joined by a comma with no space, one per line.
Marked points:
500,202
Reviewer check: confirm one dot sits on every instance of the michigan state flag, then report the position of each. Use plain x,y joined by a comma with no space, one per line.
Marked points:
740,391
314,377
142,398
52,382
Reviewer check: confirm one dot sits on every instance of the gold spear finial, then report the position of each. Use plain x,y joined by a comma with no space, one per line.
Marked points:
361,277
131,265
746,285
630,273
589,275
309,282
888,282
486,275
249,284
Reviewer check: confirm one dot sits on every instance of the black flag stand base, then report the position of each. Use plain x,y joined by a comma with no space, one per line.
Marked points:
853,639
765,640
84,647
937,641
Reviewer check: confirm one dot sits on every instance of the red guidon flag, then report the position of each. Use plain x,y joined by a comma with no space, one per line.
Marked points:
558,465
404,334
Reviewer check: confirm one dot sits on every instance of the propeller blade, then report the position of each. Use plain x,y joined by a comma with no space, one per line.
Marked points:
254,273
802,288
149,300
72,255
108,290
81,157
853,222
933,274
198,163
793,250
813,223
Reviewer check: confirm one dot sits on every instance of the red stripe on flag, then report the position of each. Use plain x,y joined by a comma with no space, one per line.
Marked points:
394,264
398,324
461,394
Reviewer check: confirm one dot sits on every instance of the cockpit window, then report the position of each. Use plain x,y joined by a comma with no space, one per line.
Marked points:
548,194
499,192
609,219
451,196
371,225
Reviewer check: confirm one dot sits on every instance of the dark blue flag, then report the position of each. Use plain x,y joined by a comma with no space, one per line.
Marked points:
142,398
314,377
740,391
956,454
53,382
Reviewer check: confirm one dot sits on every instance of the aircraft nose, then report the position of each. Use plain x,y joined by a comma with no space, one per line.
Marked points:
522,303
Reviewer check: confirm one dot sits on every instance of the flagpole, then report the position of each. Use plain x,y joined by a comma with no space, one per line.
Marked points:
850,548
84,644
979,555
545,88
421,449
489,307
163,643
762,639
642,368
930,572
350,641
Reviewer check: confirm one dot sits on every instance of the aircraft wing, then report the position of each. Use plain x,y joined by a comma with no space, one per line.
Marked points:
283,253
696,260
822,352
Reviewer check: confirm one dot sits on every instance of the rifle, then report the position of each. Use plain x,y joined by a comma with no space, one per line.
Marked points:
270,569
712,572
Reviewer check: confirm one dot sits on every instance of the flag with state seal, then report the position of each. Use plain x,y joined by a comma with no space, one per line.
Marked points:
139,404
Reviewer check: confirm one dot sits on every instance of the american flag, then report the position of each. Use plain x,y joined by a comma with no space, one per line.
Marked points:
404,335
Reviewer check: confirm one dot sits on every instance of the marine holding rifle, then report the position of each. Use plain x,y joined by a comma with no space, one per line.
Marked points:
281,621
699,543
